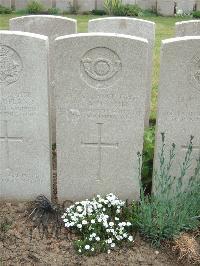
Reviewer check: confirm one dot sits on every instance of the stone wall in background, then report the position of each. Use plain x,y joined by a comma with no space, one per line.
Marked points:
163,7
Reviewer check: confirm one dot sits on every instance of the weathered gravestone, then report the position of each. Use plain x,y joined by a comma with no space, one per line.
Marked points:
82,6
53,27
185,5
187,28
166,7
179,100
6,3
64,5
100,114
25,170
146,4
136,27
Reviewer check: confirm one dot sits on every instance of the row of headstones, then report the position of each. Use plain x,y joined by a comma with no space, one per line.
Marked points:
63,5
164,7
100,81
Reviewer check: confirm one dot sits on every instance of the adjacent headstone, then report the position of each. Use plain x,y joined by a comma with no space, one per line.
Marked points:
25,165
166,7
64,5
6,3
22,4
185,5
187,28
84,6
146,4
100,112
178,100
136,27
99,4
51,26
198,5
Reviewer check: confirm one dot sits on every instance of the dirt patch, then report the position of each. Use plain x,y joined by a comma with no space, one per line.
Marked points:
17,248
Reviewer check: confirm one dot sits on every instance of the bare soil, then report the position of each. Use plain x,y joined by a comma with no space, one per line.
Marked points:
17,247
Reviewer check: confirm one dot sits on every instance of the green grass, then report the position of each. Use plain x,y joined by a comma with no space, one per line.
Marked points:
164,30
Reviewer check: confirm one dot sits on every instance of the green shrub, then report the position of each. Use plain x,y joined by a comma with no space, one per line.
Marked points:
171,209
196,14
5,10
111,6
132,10
53,11
35,7
98,12
148,154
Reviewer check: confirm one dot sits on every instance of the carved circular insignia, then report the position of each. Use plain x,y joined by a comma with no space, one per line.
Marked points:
100,67
10,65
194,72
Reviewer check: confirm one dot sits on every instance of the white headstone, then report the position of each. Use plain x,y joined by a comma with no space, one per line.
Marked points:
64,5
100,112
146,4
83,6
185,5
25,164
53,27
179,98
166,7
187,28
6,3
136,27
22,4
198,5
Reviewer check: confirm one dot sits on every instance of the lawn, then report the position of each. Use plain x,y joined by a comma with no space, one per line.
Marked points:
164,30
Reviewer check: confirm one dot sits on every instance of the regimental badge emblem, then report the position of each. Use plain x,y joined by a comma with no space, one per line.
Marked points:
100,67
194,72
10,66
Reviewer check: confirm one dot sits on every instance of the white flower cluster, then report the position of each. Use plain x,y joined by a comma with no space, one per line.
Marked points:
99,219
180,13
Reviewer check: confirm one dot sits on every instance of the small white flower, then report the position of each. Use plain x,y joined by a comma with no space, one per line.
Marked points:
125,235
109,241
93,234
84,222
65,220
97,238
108,251
130,238
79,250
116,219
99,220
117,211
87,247
92,221
111,223
92,249
79,226
112,245
79,209
104,209
128,224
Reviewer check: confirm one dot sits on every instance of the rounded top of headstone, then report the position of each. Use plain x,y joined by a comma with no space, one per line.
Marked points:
135,20
100,34
180,39
44,17
25,34
187,22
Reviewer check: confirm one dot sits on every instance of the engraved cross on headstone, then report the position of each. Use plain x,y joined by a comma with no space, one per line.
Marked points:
6,139
99,145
